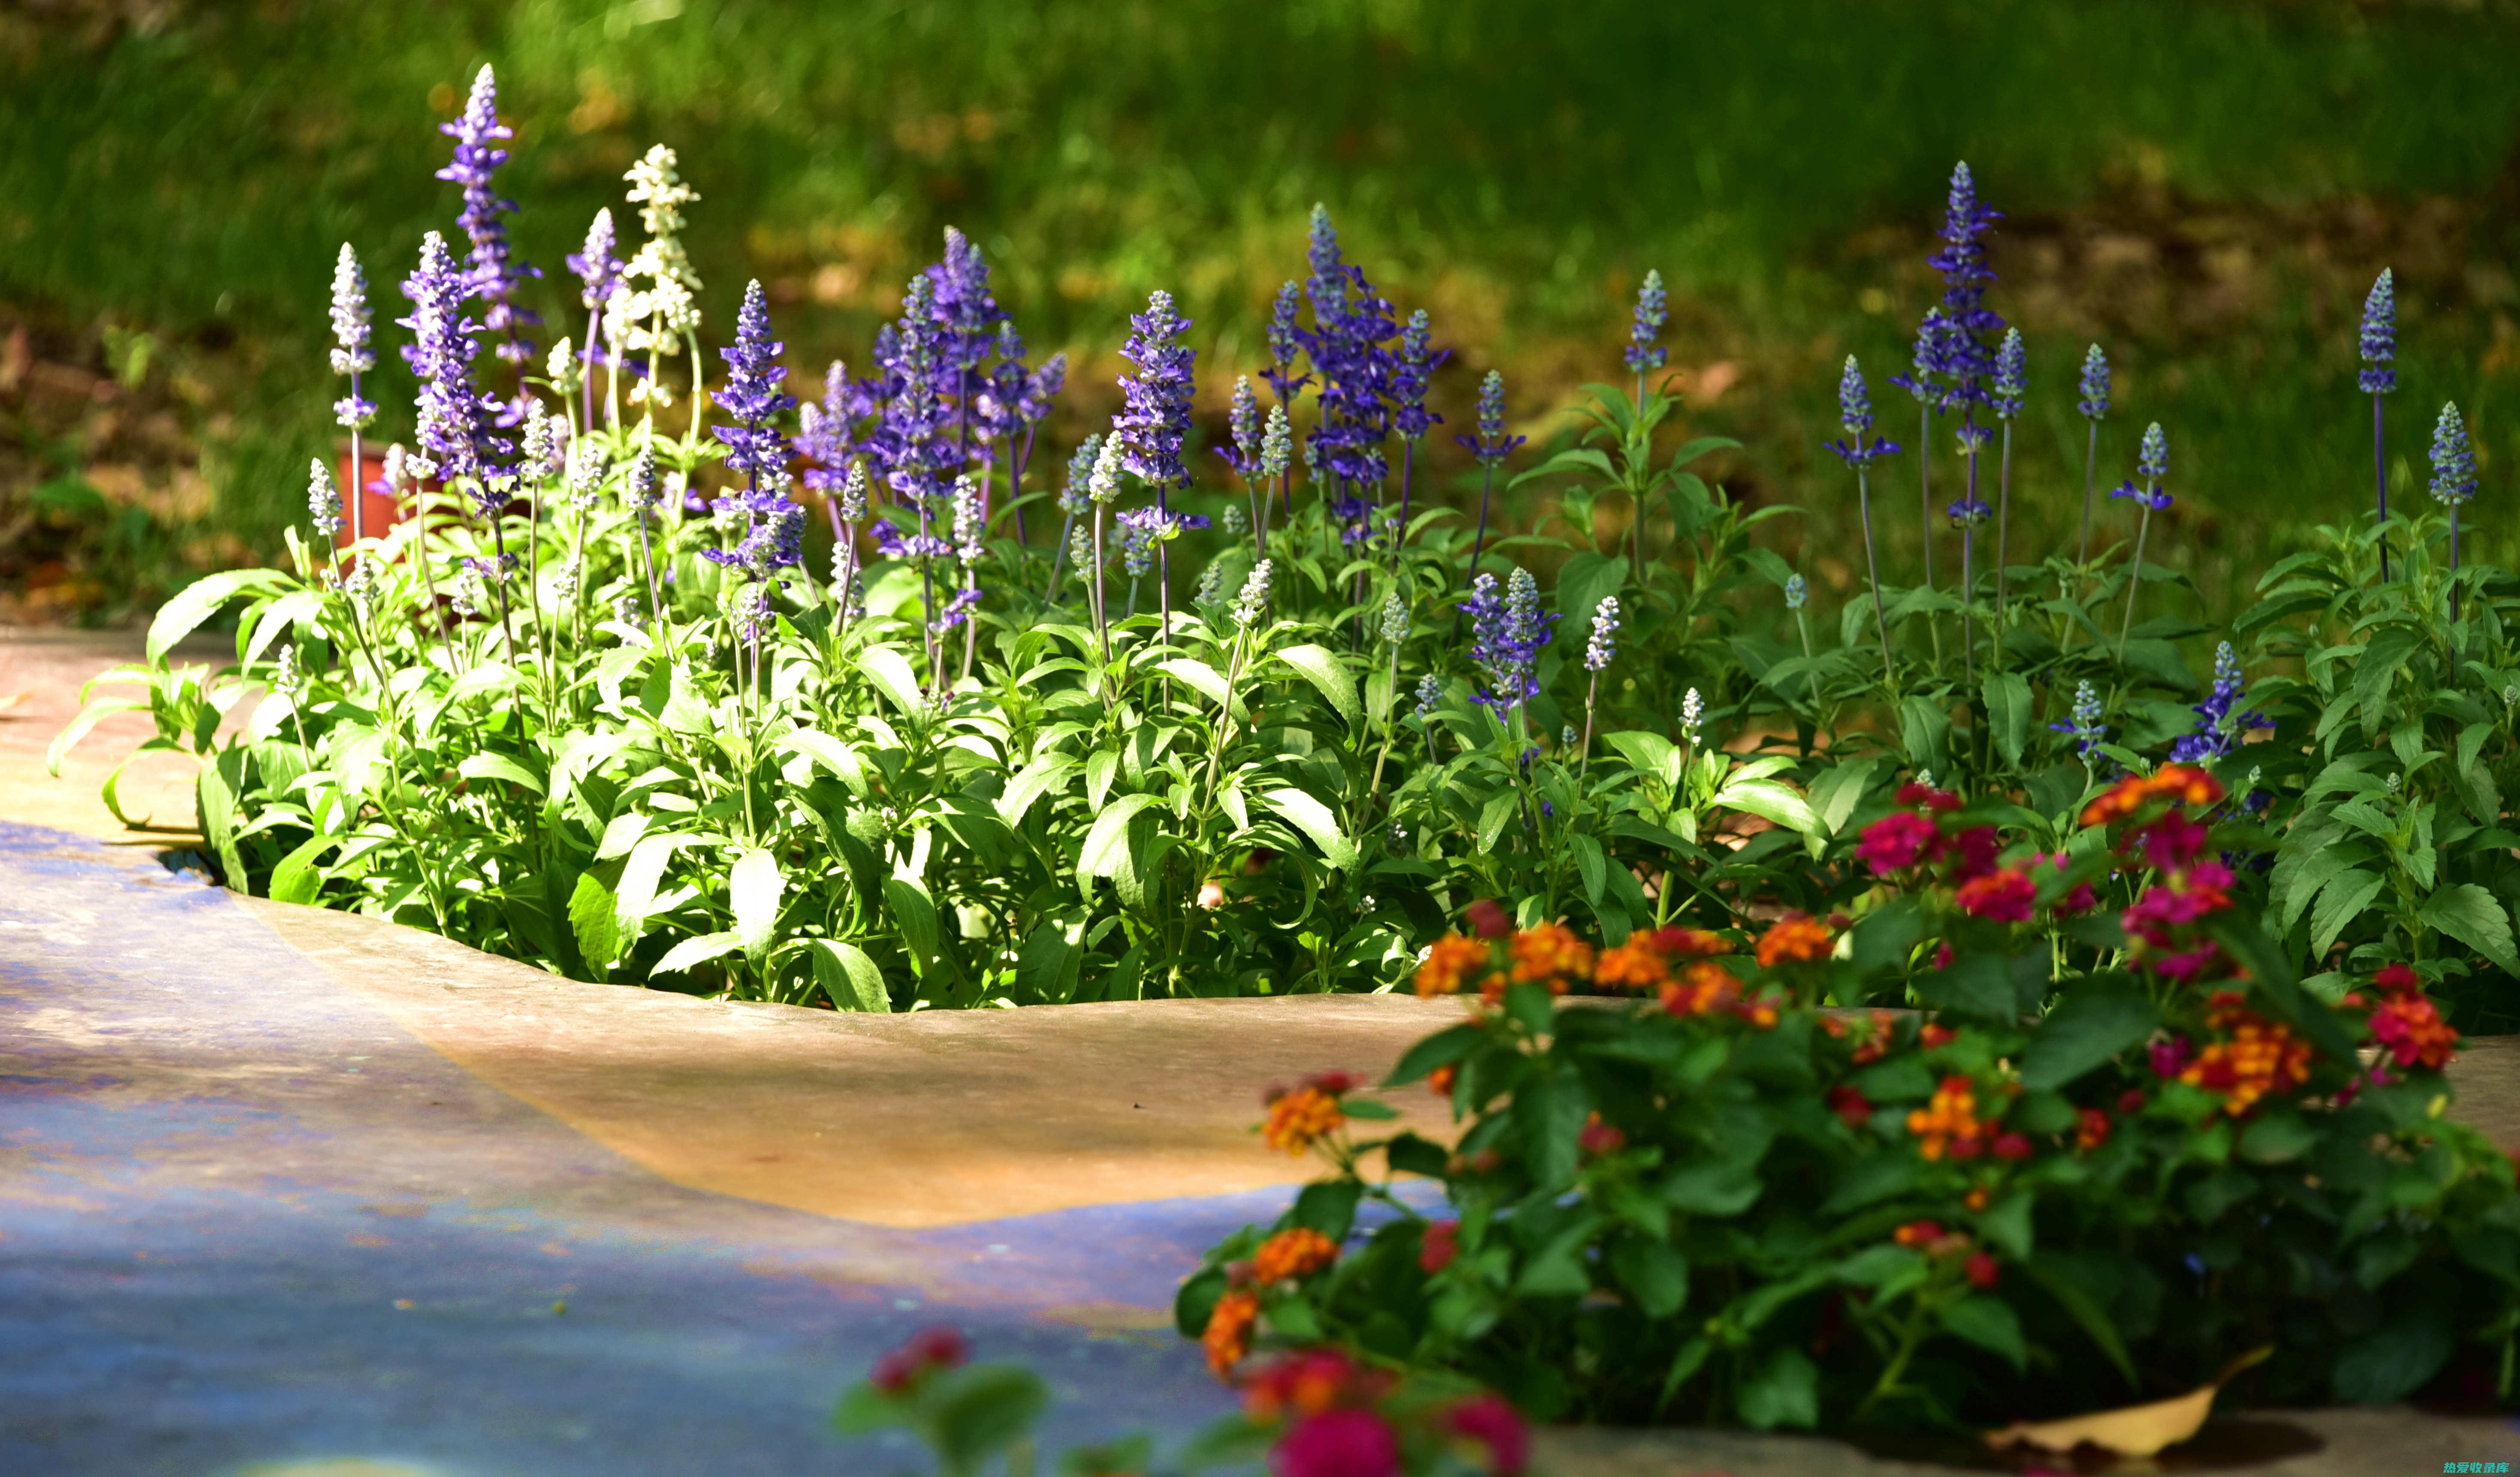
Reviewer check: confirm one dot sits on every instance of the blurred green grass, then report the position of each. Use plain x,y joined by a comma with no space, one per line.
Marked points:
2205,186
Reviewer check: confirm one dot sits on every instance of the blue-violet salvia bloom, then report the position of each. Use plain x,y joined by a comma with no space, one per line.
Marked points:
2012,375
2218,730
323,499
853,494
1410,375
1243,419
1797,593
1968,513
1285,344
1966,278
454,416
494,276
1429,693
641,494
2085,726
1156,419
1854,414
2095,404
751,394
2152,458
2380,335
1644,353
2154,499
2453,459
1491,445
1395,619
597,268
1602,647
1506,632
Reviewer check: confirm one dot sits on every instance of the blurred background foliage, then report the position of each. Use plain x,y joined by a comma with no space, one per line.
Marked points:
2206,187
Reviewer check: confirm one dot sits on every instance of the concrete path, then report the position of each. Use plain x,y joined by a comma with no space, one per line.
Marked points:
290,1192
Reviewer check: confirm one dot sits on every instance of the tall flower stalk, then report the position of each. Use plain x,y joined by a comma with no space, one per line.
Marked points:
2380,378
2094,406
1104,489
1491,447
597,273
494,272
1155,423
2454,481
1414,368
1965,516
2012,387
1859,450
352,355
1645,354
1601,648
2152,464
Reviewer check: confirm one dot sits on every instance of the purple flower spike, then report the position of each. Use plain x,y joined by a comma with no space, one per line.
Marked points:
1854,414
752,392
1491,445
494,275
1644,353
598,269
1968,513
2155,500
1506,634
454,416
1416,365
1155,420
2217,732
2380,335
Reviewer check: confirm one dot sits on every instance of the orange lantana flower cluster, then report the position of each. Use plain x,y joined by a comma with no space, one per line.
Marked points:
1795,939
1703,988
1228,1336
2261,1057
1296,1252
1451,963
1949,1123
2182,783
1549,953
1298,1118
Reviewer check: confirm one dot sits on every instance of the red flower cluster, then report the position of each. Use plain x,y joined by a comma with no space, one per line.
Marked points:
929,1351
2180,784
1441,1243
2005,896
2261,1056
1597,1137
1339,1430
2409,1024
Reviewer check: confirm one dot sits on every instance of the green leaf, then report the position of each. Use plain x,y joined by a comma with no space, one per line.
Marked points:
1651,753
638,878
1711,1190
982,1410
1839,789
1327,673
1550,1110
1053,956
2093,1022
2340,903
201,599
2397,1359
1773,800
2469,913
2007,1224
1314,820
298,879
1107,842
2278,1139
848,977
1583,581
1653,1271
1990,1323
2008,708
1327,1206
1441,1049
1926,732
891,673
1196,674
694,951
485,765
2062,1281
1785,1392
1887,935
1975,984
217,792
1591,865
916,913
591,917
753,891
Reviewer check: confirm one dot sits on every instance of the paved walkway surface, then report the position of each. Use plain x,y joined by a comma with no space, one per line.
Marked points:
290,1192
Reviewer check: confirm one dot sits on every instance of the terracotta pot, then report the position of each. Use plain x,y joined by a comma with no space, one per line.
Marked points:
365,511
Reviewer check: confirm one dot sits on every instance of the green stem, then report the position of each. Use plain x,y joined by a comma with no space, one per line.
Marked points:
2134,581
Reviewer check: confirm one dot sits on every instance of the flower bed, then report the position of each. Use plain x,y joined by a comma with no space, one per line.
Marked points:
1725,1202
667,679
